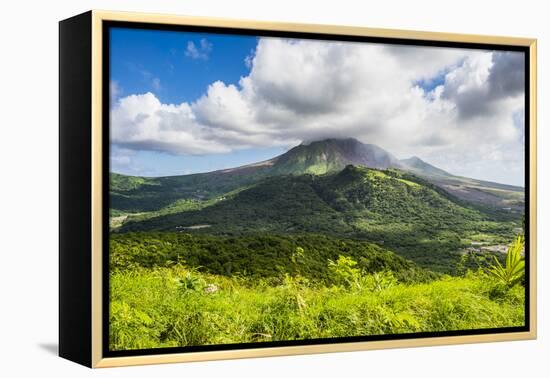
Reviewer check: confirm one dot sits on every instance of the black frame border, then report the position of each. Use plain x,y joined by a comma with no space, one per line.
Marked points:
106,27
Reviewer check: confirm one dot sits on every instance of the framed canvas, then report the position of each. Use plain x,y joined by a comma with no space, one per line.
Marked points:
234,189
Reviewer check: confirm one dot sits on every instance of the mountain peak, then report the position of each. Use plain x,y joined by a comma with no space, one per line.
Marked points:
331,155
334,154
332,140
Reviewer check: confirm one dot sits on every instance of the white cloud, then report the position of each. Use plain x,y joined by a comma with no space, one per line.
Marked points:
198,52
142,122
304,90
115,90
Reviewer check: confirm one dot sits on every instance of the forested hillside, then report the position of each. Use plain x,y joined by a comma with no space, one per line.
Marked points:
395,209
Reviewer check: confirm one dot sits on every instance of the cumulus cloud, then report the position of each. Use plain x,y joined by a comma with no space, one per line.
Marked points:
142,122
507,76
484,79
300,90
199,51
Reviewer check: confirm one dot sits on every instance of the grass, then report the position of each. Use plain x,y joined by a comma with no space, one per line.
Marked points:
177,306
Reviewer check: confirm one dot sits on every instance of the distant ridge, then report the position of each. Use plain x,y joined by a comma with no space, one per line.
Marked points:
416,165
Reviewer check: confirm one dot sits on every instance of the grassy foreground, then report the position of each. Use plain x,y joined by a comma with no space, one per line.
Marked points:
178,306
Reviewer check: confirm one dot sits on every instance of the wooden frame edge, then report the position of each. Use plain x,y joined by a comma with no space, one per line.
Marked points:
98,16
533,186
309,349
97,182
310,28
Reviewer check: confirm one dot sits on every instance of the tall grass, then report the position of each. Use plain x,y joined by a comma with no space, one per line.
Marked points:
177,306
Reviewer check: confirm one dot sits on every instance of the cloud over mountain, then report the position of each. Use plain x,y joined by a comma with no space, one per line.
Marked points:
306,90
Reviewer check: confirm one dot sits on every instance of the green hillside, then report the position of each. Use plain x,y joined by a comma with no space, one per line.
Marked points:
389,207
342,203
129,194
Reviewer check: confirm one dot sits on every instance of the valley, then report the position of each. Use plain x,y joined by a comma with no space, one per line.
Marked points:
340,188
333,238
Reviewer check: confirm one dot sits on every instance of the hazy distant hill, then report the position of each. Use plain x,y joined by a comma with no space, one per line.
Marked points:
420,167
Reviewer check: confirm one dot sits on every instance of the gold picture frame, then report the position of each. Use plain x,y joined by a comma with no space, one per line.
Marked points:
89,330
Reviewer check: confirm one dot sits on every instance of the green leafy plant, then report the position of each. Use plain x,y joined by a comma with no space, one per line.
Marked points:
382,280
514,270
191,281
344,272
297,255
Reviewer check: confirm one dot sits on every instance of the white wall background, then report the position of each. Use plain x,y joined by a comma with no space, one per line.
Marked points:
28,186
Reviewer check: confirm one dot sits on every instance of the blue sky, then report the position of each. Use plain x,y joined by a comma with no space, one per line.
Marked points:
138,57
430,84
163,63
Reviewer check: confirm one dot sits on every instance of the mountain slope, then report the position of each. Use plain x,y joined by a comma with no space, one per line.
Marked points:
326,203
420,167
137,194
